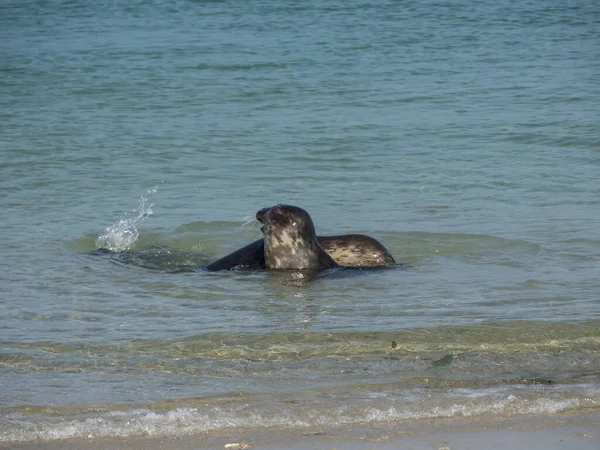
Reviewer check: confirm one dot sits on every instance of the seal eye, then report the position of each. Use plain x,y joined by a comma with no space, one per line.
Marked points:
293,224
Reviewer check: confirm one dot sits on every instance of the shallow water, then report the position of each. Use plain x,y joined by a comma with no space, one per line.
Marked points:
463,137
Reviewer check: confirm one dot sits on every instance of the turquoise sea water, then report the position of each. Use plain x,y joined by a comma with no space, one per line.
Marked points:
463,135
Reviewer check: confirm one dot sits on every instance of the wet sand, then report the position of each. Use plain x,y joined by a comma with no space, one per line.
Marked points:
573,432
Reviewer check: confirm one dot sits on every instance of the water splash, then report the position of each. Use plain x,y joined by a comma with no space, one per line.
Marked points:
122,235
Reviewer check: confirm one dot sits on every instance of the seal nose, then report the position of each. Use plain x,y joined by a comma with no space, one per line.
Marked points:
260,215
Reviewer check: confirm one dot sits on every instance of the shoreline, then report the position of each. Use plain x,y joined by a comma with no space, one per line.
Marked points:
572,431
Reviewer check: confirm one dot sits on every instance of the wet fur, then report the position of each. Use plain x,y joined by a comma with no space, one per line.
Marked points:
356,250
349,250
252,257
290,240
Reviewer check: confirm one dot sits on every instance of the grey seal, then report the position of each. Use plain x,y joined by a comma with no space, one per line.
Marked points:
349,250
291,241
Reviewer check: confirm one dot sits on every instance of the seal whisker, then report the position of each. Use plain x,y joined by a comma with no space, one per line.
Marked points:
249,221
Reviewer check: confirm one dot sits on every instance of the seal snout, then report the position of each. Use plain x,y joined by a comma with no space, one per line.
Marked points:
271,213
260,215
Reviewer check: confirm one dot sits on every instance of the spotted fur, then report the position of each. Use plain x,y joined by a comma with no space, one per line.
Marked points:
291,241
349,250
356,250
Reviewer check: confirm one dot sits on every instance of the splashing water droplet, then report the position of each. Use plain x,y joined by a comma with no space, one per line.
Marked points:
123,234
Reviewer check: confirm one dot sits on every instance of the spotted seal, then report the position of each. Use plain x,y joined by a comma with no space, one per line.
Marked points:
350,250
291,241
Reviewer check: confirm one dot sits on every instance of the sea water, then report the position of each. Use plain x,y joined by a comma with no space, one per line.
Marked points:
462,135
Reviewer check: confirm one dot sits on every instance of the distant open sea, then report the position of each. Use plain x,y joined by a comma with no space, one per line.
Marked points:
464,135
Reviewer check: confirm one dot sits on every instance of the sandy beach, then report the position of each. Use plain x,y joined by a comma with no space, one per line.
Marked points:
574,432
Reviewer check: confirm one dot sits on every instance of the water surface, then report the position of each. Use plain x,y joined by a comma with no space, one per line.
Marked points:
463,136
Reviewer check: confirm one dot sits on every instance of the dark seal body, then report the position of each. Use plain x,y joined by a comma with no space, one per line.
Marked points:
252,257
291,241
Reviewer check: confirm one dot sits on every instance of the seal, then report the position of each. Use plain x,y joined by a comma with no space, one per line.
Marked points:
356,250
291,241
251,257
349,250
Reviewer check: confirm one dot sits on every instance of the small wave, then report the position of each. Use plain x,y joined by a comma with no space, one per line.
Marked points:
122,235
248,413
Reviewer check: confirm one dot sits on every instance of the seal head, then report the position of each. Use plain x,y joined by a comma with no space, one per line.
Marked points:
291,241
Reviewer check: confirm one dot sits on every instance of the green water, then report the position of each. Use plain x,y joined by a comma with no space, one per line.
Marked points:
463,136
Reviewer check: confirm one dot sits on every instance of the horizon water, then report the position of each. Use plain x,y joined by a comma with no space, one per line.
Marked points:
464,136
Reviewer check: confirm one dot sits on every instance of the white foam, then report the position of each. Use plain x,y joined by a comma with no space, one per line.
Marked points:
189,420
